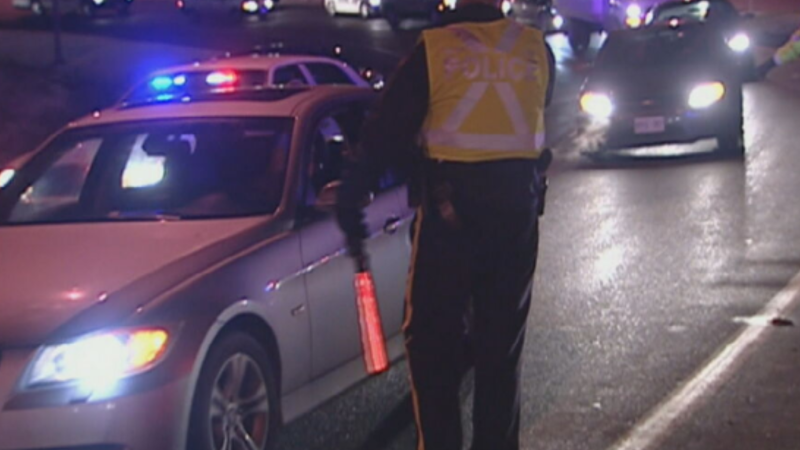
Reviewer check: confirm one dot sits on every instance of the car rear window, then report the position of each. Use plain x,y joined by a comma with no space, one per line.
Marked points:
325,73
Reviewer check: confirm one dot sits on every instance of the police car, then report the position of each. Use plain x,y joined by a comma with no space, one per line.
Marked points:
662,84
266,70
173,277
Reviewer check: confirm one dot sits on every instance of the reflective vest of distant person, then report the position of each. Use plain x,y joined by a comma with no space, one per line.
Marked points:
488,83
790,51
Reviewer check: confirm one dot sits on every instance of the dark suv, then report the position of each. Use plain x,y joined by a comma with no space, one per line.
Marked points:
396,11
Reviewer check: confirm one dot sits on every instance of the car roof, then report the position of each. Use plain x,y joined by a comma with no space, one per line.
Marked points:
258,103
255,61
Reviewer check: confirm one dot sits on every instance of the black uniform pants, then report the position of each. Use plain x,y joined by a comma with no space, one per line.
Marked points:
488,259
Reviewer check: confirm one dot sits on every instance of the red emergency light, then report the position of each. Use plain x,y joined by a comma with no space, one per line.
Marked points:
369,321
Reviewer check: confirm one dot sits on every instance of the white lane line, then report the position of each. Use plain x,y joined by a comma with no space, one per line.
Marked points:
709,378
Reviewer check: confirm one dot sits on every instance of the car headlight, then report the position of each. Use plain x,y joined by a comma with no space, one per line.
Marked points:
98,361
506,7
706,94
739,43
250,6
6,175
633,16
558,22
597,105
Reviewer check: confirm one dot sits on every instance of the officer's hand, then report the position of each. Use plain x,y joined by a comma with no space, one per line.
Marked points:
351,221
764,69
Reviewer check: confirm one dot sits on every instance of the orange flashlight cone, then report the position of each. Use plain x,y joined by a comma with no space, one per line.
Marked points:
376,360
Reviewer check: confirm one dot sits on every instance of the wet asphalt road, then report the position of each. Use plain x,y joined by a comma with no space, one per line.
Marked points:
648,267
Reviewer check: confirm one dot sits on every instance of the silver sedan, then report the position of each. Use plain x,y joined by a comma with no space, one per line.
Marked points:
173,276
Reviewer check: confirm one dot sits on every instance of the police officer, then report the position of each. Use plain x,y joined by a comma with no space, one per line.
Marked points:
471,98
787,53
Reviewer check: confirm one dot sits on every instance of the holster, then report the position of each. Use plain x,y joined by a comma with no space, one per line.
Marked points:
430,191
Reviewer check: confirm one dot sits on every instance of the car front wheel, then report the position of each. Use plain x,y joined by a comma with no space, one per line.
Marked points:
236,398
37,9
393,19
330,6
365,11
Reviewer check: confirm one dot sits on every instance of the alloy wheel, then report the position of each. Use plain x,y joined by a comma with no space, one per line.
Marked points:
240,410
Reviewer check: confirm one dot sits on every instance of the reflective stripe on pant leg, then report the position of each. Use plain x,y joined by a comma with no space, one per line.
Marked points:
409,312
434,331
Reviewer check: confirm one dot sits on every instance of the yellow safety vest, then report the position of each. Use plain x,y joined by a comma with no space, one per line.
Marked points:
488,84
790,51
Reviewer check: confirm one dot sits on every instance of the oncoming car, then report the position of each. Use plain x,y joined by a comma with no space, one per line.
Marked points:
173,277
537,13
85,8
717,16
661,85
260,8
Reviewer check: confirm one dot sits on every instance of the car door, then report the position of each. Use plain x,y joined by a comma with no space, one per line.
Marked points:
329,273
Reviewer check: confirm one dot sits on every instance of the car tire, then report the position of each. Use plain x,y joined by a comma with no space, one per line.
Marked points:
435,18
87,9
731,140
124,9
365,11
236,396
37,9
330,7
580,36
393,19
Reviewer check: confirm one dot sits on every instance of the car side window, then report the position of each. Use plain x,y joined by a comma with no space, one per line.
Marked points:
326,161
290,76
325,73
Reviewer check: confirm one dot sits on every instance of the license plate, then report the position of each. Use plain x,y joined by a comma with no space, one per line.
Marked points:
649,125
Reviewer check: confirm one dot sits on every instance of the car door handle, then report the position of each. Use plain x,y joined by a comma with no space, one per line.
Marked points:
391,225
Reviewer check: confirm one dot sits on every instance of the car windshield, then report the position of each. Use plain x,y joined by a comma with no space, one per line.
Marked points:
178,169
695,12
656,47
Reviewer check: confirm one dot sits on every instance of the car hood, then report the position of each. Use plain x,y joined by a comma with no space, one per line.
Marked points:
52,273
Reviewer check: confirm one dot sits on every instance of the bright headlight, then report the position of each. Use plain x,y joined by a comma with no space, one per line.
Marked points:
250,6
558,21
597,105
634,10
705,95
739,43
6,175
98,361
506,6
